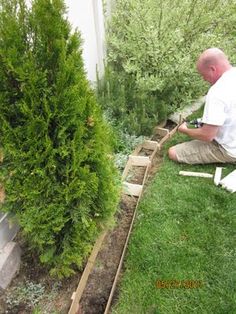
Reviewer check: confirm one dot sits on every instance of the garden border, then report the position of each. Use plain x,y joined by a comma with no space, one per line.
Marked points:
130,189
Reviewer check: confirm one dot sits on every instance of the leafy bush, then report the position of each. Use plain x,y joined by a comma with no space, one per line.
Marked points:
123,143
59,179
152,49
124,146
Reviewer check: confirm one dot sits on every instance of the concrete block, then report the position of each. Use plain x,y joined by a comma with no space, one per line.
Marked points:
187,111
9,263
8,229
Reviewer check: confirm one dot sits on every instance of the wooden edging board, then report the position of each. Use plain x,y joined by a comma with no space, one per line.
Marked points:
121,261
146,162
76,296
135,160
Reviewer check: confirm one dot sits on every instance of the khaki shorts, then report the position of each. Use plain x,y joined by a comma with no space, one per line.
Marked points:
199,152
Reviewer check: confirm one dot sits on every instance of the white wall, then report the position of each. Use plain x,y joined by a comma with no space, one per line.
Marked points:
87,16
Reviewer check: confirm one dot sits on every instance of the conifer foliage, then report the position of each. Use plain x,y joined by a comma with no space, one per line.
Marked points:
58,178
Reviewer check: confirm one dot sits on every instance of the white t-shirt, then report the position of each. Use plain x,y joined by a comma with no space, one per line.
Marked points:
220,110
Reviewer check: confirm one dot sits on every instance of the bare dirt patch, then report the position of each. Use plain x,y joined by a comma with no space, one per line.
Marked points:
170,125
136,175
145,152
100,281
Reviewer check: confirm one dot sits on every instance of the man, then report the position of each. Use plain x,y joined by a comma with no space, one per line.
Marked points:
215,141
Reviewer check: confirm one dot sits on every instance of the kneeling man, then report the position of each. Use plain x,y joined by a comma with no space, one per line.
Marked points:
215,141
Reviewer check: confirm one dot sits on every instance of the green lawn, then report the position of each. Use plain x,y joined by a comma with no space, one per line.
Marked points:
185,231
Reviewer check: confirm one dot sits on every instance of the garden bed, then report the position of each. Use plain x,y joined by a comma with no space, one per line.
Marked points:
51,296
98,293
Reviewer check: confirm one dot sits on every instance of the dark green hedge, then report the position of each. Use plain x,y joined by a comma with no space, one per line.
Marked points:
59,179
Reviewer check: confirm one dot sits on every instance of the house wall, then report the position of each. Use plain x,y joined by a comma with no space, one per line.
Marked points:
87,16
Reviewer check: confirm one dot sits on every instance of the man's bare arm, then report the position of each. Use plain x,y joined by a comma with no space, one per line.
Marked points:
206,133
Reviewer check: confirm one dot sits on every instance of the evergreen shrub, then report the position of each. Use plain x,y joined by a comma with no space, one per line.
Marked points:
60,181
152,49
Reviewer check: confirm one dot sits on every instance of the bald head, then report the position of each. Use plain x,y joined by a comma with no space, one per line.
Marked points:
212,63
212,56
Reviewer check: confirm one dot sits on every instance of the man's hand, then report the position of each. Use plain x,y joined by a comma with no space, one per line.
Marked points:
183,127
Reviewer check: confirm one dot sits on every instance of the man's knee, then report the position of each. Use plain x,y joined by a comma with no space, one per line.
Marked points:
172,153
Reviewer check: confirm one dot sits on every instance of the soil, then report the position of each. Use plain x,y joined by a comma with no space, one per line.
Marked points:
136,175
100,281
170,125
156,164
157,137
145,152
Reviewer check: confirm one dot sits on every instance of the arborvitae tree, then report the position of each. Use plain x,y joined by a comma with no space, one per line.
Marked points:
59,179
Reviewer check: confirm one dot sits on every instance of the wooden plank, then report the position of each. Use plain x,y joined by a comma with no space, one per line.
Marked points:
164,139
172,132
146,173
135,161
121,260
196,174
120,264
83,280
132,189
126,170
73,296
152,145
158,147
139,160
